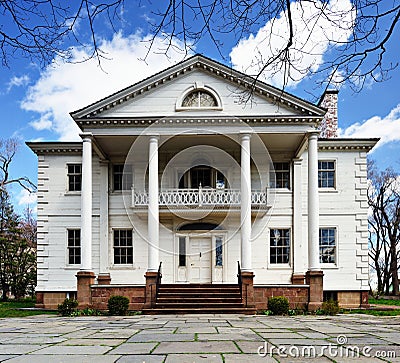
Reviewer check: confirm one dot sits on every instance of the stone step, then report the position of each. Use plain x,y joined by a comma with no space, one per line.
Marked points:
211,310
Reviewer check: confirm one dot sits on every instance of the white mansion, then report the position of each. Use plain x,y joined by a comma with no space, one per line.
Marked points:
201,180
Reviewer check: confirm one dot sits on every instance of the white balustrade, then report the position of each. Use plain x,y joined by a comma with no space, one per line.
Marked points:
201,197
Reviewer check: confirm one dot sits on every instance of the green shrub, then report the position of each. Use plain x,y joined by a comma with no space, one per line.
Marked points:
330,307
278,305
67,307
118,305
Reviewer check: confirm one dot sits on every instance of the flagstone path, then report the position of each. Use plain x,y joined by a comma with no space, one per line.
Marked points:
200,338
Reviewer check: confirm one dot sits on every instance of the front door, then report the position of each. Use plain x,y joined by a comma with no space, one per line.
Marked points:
200,259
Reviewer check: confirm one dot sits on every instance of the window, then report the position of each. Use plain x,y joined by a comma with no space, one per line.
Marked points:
74,177
326,174
218,251
203,175
327,245
182,251
279,246
123,247
199,99
122,177
74,246
280,177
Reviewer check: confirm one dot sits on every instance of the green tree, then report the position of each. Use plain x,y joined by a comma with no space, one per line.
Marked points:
17,252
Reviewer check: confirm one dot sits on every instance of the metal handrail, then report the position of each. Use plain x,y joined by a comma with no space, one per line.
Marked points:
158,280
239,276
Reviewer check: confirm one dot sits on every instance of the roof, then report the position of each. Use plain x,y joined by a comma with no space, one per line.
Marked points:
345,144
198,61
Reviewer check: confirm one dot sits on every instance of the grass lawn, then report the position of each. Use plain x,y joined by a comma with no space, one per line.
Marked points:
9,309
374,312
385,302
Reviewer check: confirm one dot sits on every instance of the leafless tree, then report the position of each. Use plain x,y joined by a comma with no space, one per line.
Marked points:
8,149
356,59
38,29
384,225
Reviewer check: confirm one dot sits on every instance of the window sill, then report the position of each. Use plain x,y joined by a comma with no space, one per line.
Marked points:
328,190
329,266
122,267
281,190
279,267
72,267
73,193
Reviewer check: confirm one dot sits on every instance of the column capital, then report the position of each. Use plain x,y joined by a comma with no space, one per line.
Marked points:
153,137
297,161
245,134
86,136
313,134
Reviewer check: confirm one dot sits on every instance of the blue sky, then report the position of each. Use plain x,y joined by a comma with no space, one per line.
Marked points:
35,101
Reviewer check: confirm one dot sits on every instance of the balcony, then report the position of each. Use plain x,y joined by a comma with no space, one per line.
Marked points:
208,199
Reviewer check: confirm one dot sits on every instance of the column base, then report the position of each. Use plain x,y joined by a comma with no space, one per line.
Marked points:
298,279
247,289
84,294
315,280
150,293
104,279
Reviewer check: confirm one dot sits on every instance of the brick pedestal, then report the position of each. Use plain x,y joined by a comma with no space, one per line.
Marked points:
151,280
39,300
364,299
298,279
104,279
247,289
84,280
315,280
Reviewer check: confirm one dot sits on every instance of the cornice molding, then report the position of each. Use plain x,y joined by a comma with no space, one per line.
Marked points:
197,120
346,144
55,147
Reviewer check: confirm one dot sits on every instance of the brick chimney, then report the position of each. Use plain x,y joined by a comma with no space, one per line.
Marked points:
329,125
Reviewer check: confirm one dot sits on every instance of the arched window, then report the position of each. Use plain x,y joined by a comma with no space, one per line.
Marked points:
199,98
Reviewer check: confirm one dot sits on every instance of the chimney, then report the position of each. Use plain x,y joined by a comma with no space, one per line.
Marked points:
329,125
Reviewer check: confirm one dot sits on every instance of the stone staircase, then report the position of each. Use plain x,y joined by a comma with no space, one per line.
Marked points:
199,298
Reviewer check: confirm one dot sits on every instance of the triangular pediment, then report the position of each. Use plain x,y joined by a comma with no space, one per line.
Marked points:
161,96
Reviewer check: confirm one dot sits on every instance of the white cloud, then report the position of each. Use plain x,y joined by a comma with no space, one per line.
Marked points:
387,128
26,198
65,87
17,82
313,35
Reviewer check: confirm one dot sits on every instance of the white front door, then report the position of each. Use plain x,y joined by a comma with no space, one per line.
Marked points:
200,259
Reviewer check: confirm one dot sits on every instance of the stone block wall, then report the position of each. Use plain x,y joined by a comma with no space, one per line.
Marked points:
101,294
297,295
352,299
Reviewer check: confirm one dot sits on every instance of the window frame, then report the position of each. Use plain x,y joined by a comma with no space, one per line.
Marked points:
328,264
280,171
198,87
73,175
121,247
74,247
328,170
289,245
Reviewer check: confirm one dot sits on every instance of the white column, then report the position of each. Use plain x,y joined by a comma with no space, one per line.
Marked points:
86,202
153,213
299,258
104,258
245,207
313,202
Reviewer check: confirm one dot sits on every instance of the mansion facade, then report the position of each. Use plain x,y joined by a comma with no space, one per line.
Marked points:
202,177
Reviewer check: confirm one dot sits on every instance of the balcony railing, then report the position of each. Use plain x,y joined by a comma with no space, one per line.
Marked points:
201,197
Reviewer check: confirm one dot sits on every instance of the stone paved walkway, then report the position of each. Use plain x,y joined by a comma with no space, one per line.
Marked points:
200,338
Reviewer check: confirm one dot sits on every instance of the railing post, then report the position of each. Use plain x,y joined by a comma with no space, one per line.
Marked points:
200,195
133,195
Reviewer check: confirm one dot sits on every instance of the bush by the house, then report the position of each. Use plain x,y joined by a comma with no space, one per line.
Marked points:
330,307
118,305
278,305
67,307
